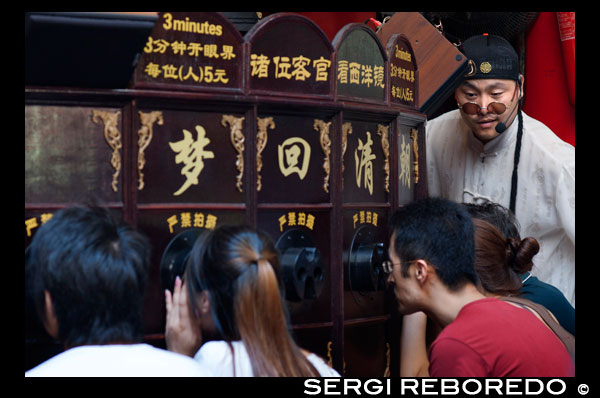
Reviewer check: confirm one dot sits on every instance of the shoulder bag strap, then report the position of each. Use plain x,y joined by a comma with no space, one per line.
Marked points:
567,338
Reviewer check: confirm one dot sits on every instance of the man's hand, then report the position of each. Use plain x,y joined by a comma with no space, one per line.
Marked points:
182,330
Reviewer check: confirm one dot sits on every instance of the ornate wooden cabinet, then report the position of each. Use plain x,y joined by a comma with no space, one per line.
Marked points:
315,142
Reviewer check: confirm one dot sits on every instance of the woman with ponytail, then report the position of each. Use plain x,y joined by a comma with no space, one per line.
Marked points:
230,313
519,253
500,262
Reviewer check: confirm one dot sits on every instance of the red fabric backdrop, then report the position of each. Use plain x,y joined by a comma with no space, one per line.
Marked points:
546,86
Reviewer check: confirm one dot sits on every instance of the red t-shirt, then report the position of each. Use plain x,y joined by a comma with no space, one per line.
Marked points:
491,338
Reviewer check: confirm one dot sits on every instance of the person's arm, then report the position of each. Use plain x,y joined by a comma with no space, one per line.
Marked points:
413,349
182,331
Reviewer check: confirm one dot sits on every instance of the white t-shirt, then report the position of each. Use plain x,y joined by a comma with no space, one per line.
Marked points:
462,169
216,355
125,360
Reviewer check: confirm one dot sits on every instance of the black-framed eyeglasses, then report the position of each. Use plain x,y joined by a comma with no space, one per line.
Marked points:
472,108
388,266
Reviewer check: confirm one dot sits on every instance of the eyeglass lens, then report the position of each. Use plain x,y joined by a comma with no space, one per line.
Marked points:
387,266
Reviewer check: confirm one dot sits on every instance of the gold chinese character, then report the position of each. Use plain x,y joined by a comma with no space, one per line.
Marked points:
211,51
160,46
282,66
367,75
260,65
301,218
170,71
355,219
404,158
322,67
153,70
178,47
192,154
365,163
374,219
227,52
343,72
310,221
186,220
299,72
354,73
292,154
30,224
194,49
45,217
172,221
198,220
378,76
282,220
211,222
190,73
291,218
220,76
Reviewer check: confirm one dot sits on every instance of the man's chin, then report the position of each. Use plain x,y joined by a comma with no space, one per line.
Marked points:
487,134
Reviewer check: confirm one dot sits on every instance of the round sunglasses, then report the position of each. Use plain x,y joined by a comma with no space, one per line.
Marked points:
471,108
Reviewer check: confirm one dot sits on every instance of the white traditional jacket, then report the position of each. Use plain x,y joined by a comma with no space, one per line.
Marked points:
461,168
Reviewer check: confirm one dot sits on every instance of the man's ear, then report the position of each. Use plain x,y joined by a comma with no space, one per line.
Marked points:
50,321
521,86
422,271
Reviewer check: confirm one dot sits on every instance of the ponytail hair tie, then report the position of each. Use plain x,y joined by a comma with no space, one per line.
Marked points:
520,253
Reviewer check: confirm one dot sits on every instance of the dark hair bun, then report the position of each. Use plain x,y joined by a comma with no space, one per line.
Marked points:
519,253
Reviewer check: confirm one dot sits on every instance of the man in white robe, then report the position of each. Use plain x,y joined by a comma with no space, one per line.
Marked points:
471,157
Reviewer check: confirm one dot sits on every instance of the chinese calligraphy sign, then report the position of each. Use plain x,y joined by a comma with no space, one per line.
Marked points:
191,153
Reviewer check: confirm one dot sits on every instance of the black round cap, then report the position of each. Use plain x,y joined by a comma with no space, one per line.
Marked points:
493,57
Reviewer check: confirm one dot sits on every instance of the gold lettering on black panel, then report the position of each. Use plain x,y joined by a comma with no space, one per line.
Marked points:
289,153
404,163
364,163
191,153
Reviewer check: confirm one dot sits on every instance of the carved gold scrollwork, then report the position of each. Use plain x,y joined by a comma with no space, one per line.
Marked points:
383,131
112,135
329,357
346,129
147,121
323,129
386,373
237,140
261,142
414,133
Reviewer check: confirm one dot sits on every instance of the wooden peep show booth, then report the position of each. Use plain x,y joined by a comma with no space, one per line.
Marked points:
178,123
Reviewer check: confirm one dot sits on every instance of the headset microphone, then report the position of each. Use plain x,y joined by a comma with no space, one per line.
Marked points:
501,127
